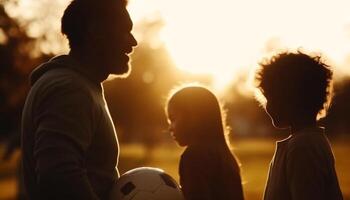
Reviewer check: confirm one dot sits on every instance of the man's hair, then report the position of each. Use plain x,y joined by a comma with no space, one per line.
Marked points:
297,80
80,14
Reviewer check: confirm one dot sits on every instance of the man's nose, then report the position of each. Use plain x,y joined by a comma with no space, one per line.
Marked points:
132,40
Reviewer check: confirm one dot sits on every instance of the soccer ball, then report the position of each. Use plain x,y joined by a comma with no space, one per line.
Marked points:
146,183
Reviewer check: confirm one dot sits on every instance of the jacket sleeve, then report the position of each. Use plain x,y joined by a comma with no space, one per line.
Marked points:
64,120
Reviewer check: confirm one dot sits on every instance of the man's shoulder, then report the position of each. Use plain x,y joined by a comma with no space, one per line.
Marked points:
58,79
59,72
64,76
61,86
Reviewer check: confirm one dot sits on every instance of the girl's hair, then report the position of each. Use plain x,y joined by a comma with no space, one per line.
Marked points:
203,116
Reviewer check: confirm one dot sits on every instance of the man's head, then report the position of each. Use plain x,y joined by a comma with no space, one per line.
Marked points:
101,31
294,85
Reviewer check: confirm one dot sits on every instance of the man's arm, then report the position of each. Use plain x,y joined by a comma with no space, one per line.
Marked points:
64,121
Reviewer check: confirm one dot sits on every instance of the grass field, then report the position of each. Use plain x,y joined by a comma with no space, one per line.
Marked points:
253,154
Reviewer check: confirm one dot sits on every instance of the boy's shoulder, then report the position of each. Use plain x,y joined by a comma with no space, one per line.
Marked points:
311,142
308,137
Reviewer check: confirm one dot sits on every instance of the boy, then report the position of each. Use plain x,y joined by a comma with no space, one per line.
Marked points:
297,89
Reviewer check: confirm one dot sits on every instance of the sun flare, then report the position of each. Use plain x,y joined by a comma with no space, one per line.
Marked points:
224,37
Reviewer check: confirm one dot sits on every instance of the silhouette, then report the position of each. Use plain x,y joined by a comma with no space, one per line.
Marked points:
208,169
337,117
298,89
69,145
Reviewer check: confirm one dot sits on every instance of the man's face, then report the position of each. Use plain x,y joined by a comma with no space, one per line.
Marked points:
115,42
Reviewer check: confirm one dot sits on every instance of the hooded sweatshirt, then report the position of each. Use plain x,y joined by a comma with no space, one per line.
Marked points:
69,144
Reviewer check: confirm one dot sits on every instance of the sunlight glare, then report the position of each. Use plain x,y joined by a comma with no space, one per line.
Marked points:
224,37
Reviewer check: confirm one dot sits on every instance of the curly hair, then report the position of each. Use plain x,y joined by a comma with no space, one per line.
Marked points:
81,14
300,81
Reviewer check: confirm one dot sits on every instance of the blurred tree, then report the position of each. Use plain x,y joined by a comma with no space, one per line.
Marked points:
14,60
18,56
337,120
244,114
247,118
137,102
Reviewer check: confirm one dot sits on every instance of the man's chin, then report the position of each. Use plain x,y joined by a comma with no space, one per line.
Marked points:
119,72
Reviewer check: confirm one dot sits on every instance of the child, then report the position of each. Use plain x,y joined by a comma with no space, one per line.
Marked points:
297,90
208,170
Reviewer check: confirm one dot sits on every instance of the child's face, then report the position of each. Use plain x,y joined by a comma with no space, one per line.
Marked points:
177,127
278,112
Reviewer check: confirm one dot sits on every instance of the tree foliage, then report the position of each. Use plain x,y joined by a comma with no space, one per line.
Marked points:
16,62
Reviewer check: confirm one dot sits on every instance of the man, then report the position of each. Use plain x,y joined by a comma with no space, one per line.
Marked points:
297,90
69,144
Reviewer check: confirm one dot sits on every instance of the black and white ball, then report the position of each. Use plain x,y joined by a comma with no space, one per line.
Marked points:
146,183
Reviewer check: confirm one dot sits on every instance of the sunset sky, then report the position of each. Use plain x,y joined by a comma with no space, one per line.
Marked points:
223,37
214,42
226,35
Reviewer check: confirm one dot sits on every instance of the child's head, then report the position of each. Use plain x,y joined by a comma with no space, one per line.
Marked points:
294,85
195,117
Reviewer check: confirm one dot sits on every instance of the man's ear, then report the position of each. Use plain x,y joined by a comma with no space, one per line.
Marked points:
93,34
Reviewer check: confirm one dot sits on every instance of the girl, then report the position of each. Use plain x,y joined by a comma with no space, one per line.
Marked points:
208,170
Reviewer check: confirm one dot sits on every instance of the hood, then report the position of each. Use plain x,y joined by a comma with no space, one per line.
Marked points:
63,61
